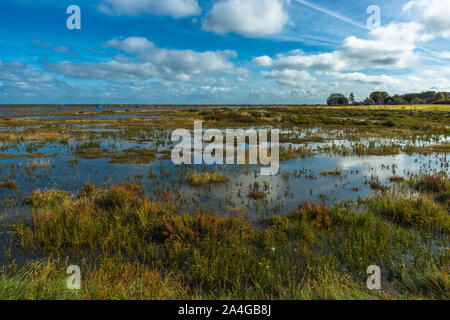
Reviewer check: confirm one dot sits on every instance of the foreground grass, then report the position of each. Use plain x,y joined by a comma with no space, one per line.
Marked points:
130,248
416,211
45,279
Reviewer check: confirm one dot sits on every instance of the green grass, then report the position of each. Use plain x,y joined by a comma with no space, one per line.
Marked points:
438,186
420,211
110,279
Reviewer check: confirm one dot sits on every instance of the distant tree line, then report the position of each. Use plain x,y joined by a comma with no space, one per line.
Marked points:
383,98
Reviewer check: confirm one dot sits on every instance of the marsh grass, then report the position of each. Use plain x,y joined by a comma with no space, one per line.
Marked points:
203,179
134,155
256,195
377,186
28,155
293,152
408,209
284,138
396,179
110,278
94,150
334,173
10,184
132,248
436,185
90,150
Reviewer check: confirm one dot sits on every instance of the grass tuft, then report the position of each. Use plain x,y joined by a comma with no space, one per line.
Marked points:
203,179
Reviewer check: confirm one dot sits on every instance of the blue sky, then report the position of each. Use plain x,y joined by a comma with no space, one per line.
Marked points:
220,51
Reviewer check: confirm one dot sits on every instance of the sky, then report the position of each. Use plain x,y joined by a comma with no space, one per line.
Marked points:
220,51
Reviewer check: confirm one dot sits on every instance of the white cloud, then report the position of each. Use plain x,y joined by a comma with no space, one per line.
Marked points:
251,18
19,73
444,55
131,44
173,8
365,79
416,81
112,70
152,62
264,61
434,14
291,78
322,61
390,47
20,81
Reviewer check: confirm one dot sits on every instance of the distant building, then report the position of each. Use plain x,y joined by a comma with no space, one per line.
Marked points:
389,101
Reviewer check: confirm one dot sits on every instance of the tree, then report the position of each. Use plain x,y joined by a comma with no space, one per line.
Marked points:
337,99
399,101
409,97
428,95
378,97
417,101
441,96
352,98
368,102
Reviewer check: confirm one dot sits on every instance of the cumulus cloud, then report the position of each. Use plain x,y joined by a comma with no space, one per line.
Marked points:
173,8
433,14
131,44
20,81
264,61
112,70
389,47
251,18
18,73
444,54
152,62
365,79
433,78
358,65
291,78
